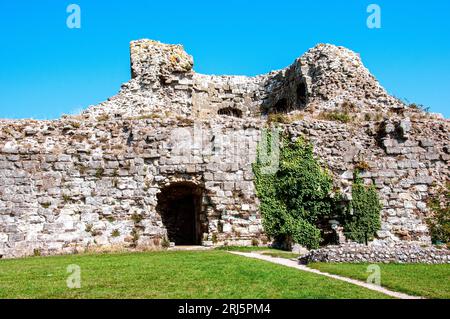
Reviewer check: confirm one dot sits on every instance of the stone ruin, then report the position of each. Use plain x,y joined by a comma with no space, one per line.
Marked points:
169,158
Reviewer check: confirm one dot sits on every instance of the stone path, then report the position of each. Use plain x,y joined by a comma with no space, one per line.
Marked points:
191,247
296,265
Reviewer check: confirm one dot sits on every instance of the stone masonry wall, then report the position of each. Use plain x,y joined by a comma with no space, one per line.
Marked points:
406,167
403,252
91,181
68,185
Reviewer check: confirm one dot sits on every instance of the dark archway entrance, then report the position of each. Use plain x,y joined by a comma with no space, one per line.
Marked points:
179,205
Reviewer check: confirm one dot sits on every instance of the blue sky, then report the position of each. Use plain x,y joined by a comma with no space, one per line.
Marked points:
48,69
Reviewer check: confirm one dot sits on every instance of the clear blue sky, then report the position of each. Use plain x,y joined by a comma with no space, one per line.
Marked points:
47,69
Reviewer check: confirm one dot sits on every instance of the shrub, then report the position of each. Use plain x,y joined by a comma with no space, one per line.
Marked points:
362,220
305,233
439,221
297,197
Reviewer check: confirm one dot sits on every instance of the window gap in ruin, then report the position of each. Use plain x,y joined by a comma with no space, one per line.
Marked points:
230,111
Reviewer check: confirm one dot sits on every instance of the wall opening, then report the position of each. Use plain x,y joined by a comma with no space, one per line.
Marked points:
180,206
230,111
301,94
281,106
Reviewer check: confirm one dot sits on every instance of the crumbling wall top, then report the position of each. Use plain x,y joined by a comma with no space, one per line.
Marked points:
324,78
150,59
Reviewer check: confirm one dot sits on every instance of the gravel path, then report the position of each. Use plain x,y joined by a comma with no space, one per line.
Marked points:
296,265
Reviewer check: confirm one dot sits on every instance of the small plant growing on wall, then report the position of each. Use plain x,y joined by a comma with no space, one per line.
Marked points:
136,218
165,243
66,198
110,219
115,233
134,237
88,228
99,173
362,166
46,205
214,238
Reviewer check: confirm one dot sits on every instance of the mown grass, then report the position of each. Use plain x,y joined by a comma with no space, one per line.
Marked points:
167,274
430,281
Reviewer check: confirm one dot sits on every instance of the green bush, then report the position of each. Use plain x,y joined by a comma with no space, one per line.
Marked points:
362,220
295,198
304,233
439,221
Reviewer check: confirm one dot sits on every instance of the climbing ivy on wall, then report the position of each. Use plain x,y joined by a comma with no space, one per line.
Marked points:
439,221
297,196
362,220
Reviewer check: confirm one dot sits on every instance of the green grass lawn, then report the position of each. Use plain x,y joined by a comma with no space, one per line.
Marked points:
430,281
167,274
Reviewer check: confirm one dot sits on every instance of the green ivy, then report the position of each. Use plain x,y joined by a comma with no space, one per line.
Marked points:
297,196
439,221
362,220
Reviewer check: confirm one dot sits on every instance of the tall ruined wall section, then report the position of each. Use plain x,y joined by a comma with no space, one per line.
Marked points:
164,82
407,160
94,181
70,185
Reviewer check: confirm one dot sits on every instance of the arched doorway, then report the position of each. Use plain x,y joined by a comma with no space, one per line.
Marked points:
179,205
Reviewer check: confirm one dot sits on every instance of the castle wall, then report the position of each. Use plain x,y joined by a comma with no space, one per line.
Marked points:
407,160
91,181
68,185
71,185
